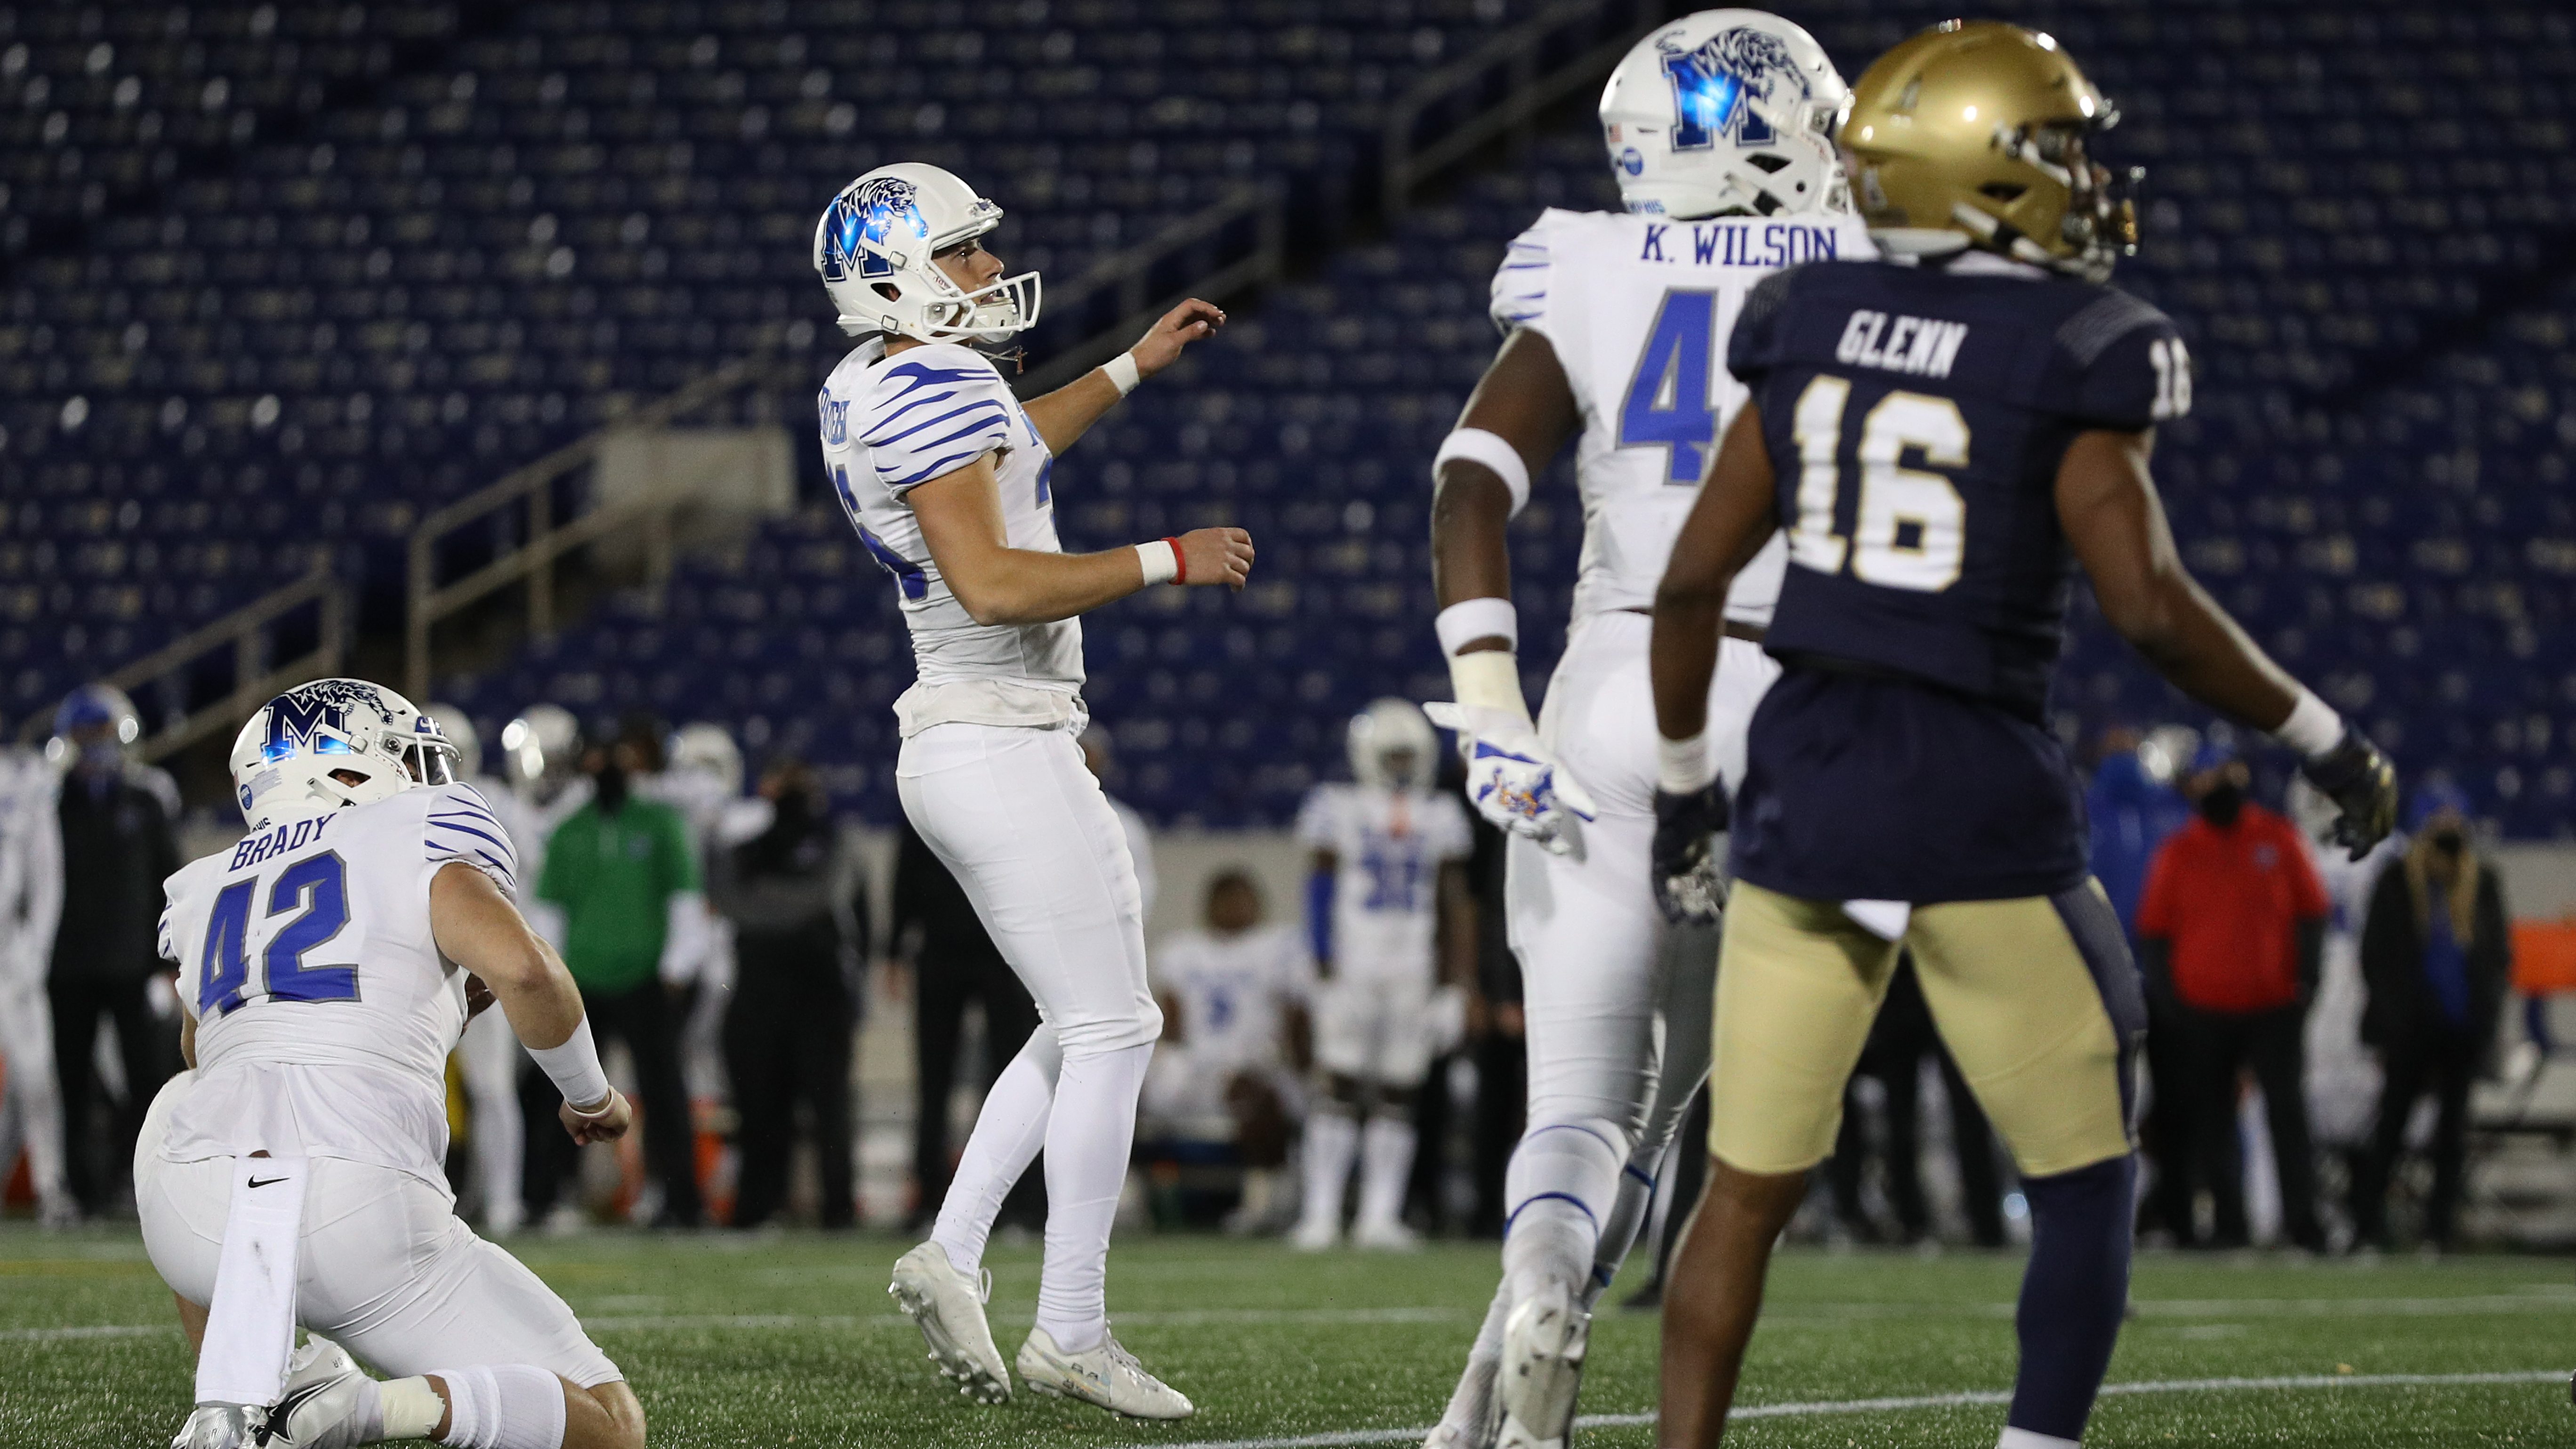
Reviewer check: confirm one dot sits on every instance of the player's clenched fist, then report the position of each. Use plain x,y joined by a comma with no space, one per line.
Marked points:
607,1124
1215,556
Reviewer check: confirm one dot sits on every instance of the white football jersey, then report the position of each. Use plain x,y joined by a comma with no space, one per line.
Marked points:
1233,993
324,1011
1638,310
1388,846
893,423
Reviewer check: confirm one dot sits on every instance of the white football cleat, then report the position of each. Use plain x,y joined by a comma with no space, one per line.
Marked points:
1315,1235
1542,1369
1107,1375
1385,1237
220,1426
1468,1422
948,1308
325,1405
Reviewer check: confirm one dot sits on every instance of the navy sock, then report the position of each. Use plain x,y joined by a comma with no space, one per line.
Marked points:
2073,1293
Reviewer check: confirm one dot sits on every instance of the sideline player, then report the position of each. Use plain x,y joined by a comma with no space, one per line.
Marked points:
948,480
1387,894
327,964
1935,436
31,903
1717,132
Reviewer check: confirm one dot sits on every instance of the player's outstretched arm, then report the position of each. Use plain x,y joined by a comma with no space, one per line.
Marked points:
1728,524
1524,411
1521,413
2107,503
1064,415
960,515
476,927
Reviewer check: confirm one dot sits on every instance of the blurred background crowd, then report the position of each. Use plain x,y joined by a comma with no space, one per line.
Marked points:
2342,1054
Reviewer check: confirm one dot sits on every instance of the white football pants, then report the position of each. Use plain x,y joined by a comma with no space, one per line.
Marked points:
1028,834
31,1101
490,1054
385,1268
1618,1024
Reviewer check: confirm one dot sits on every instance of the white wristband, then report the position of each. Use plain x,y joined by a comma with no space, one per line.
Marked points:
574,1066
1682,767
1489,679
1468,620
1122,373
1161,561
2313,728
1476,445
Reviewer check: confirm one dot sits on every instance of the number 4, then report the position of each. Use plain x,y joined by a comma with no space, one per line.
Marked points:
1911,532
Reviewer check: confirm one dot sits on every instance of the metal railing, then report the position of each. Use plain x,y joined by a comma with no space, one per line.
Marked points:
1519,58
545,539
248,633
1130,277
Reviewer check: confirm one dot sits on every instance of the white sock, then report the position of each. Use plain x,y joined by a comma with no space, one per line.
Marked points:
1386,1169
1619,1228
405,1409
1561,1184
1088,1140
1332,1140
1008,1133
507,1406
2026,1439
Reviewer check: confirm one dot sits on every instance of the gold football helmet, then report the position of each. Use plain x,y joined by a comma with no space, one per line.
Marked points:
1979,133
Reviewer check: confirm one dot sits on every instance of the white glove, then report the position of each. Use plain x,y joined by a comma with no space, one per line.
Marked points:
1512,779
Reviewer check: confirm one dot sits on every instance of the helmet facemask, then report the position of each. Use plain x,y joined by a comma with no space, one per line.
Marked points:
878,248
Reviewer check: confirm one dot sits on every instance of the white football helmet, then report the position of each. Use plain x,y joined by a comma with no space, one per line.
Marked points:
1726,111
705,749
288,759
1391,744
544,737
458,726
874,246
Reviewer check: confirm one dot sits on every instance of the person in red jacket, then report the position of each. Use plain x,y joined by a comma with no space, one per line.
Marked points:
2230,932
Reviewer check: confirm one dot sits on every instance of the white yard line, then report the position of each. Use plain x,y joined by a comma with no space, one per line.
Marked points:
2542,1301
1970,1398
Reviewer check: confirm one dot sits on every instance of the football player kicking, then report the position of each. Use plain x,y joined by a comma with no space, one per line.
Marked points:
1718,131
946,477
1387,908
1936,435
327,965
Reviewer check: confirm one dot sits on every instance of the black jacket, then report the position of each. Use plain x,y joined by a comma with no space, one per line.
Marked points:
119,845
778,890
2403,1012
934,923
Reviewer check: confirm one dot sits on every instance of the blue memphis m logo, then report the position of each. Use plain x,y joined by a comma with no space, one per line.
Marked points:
1716,87
883,212
298,725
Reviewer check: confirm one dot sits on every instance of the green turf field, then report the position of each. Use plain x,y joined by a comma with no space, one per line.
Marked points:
778,1341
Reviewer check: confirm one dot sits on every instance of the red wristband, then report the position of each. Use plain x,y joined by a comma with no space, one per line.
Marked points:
1180,562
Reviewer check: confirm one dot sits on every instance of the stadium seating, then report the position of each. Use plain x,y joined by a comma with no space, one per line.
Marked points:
481,232
2356,212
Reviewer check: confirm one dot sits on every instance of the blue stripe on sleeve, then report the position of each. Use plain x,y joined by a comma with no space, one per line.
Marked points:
935,469
468,830
994,413
879,420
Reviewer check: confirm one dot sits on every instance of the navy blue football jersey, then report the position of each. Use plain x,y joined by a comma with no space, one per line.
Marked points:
1916,418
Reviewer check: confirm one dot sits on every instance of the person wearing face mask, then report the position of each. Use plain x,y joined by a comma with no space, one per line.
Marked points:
622,870
118,818
799,936
2231,934
2436,953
